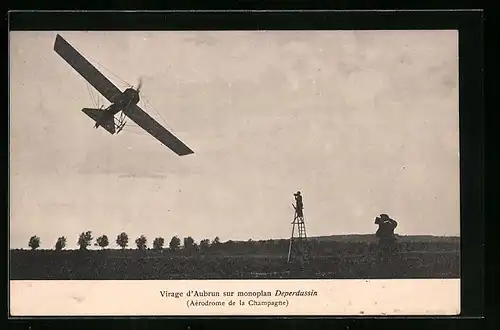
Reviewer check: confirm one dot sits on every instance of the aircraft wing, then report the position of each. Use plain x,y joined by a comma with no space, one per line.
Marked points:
86,69
141,118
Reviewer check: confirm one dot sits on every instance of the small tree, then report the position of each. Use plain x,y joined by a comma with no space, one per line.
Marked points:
141,242
122,240
34,242
102,241
195,248
85,240
188,243
204,244
61,243
175,243
216,240
158,243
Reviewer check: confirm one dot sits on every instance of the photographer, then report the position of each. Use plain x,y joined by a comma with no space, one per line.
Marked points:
387,238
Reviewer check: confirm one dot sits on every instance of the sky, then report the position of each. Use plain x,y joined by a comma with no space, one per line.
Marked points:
361,122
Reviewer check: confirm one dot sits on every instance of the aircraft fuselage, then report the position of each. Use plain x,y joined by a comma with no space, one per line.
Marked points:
129,97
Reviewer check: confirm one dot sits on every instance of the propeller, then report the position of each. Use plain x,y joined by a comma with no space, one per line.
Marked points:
139,85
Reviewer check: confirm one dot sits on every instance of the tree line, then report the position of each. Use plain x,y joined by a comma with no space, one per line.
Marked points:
230,247
122,240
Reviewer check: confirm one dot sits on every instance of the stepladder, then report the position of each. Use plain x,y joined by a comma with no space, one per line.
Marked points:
298,247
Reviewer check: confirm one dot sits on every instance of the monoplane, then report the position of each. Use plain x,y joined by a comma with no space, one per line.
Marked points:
123,103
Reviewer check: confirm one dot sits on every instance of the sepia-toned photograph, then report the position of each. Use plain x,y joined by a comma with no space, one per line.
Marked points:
234,155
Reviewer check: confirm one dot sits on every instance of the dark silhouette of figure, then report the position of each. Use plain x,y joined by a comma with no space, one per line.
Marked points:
385,234
298,204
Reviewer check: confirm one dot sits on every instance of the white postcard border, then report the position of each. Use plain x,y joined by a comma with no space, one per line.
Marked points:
144,297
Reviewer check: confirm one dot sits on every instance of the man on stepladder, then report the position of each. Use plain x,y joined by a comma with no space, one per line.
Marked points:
298,204
298,240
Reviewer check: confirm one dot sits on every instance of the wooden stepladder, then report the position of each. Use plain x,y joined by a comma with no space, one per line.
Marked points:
298,240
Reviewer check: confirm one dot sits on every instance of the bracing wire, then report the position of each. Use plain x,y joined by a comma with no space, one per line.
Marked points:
147,104
90,94
89,90
123,81
128,130
94,96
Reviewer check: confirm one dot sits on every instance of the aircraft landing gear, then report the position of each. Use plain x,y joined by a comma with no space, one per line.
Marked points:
121,123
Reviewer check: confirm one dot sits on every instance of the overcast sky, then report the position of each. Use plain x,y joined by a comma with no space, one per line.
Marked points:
362,122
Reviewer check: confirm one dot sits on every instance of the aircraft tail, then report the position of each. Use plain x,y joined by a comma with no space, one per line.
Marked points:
97,115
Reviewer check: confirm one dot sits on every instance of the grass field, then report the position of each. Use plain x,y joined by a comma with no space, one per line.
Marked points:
334,259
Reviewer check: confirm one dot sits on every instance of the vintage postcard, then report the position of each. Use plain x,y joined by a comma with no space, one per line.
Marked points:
234,173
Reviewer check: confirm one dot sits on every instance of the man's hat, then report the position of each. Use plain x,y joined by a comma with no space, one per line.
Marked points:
297,193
